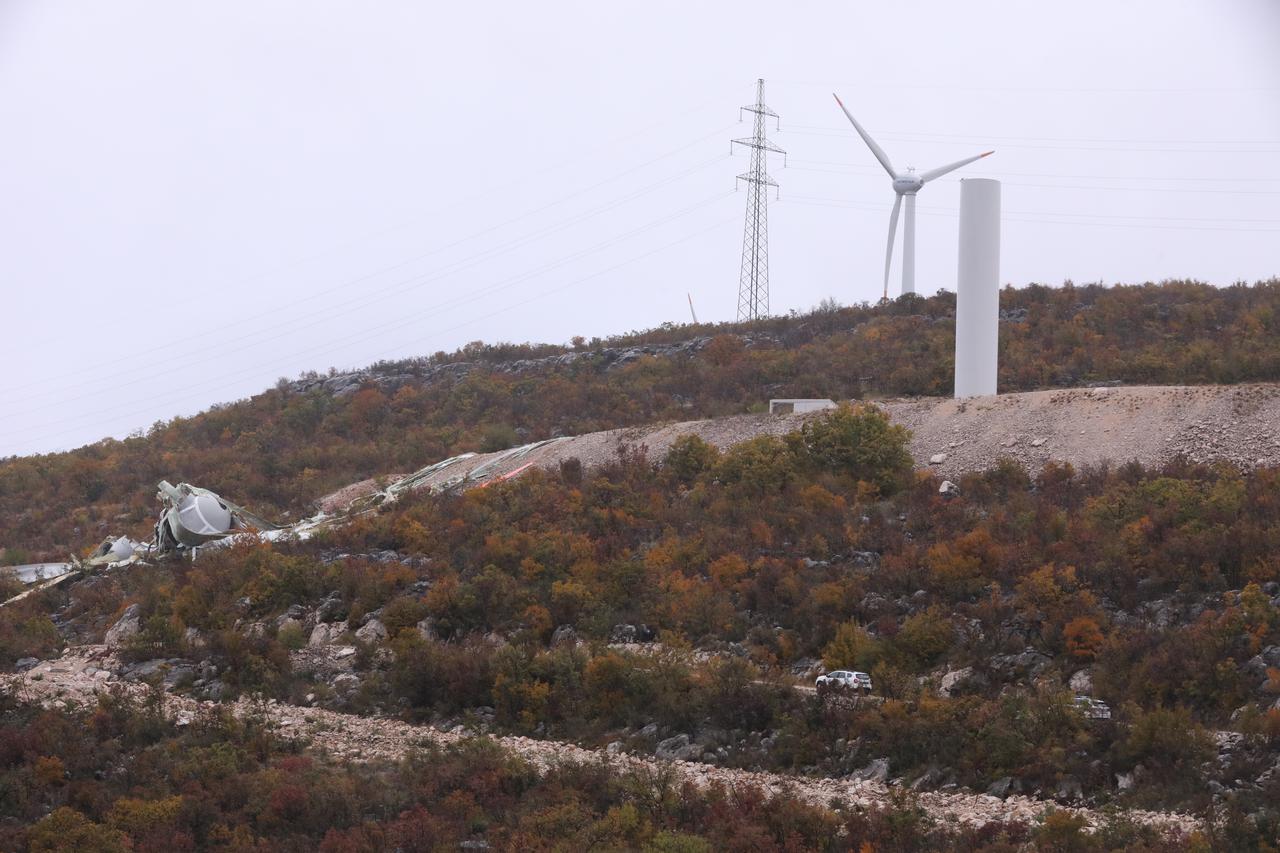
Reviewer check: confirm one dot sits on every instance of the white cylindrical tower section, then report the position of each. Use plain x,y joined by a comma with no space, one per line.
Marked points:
978,288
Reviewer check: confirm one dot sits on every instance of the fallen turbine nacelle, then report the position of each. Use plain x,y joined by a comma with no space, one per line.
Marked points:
193,516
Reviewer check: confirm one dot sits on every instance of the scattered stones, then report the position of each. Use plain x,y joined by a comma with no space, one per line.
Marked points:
949,489
937,458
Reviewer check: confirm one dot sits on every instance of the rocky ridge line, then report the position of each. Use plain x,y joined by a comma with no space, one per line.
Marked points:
604,359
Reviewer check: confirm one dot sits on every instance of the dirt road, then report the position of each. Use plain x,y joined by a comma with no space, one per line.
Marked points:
85,671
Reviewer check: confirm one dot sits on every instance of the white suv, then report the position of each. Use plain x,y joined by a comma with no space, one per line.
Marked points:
845,680
1093,709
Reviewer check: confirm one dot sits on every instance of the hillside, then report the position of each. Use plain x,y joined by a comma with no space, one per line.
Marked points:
282,450
670,614
1150,425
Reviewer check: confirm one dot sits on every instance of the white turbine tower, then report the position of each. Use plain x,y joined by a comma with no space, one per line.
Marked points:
906,184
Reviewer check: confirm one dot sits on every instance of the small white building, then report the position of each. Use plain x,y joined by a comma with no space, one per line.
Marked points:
798,407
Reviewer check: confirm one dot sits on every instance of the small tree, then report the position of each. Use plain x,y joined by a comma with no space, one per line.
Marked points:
851,648
757,466
689,456
857,442
1083,638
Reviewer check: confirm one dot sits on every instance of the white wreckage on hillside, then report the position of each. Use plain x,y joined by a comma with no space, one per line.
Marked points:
192,518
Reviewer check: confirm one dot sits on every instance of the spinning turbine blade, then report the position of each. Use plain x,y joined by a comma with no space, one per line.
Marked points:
866,137
888,251
942,170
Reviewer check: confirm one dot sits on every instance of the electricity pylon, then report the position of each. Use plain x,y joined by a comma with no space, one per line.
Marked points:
753,281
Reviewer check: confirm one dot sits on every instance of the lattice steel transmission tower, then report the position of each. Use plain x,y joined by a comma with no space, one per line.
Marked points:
753,281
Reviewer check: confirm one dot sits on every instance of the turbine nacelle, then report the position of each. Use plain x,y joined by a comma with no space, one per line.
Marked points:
908,184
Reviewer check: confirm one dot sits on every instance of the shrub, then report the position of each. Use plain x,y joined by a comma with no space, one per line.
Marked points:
851,648
856,442
689,457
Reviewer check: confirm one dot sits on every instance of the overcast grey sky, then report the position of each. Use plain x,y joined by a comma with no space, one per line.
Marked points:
199,198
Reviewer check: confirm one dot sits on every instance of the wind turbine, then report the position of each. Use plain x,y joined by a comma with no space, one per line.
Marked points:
906,184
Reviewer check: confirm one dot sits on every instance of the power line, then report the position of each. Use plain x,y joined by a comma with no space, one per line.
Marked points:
387,353
294,321
1097,90
273,313
1176,190
1126,177
1028,216
970,137
381,330
925,141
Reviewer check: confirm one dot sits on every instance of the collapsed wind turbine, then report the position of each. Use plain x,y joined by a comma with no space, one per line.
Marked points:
907,184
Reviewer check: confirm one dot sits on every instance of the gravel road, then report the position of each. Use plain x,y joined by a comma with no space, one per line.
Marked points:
84,671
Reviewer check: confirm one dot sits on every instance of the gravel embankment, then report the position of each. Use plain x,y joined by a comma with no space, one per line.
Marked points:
1237,424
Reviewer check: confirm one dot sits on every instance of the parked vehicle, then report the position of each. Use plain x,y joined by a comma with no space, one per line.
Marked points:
1093,709
844,680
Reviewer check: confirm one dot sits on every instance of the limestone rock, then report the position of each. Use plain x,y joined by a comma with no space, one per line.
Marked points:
564,636
876,771
677,748
959,681
325,633
1000,787
128,626
373,631
1082,682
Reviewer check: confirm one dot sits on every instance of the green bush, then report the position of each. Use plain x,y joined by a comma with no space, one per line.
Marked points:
856,442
